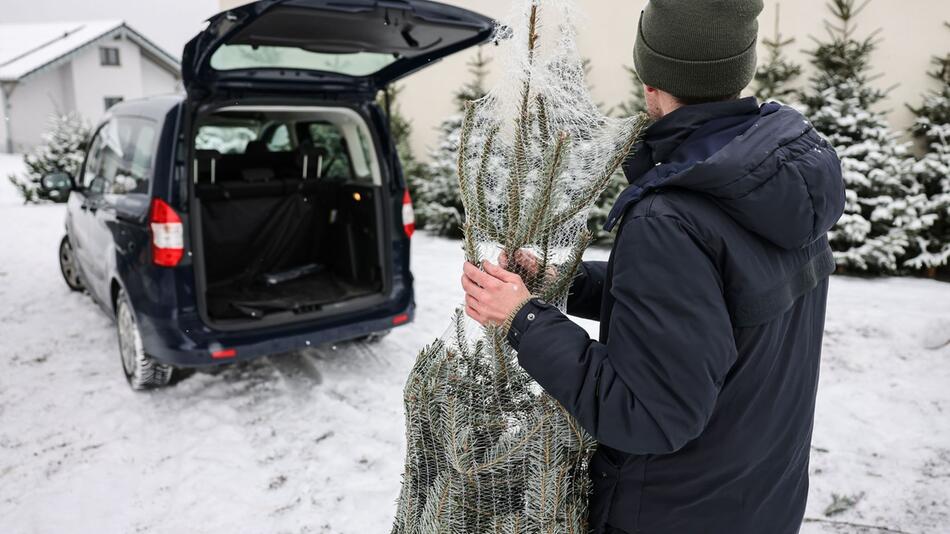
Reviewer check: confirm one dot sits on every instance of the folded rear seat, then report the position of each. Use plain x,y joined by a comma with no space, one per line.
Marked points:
236,176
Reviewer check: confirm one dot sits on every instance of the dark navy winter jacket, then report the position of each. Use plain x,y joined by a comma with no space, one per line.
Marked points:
701,389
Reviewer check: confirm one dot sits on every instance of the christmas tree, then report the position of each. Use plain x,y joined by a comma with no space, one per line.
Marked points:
437,200
884,200
62,151
487,449
634,105
401,131
932,127
772,78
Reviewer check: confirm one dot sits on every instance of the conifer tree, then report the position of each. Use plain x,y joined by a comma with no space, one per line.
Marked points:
636,102
401,130
883,198
62,150
487,450
437,201
634,105
772,78
932,127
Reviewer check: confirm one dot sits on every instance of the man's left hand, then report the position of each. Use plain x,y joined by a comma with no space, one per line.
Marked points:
492,295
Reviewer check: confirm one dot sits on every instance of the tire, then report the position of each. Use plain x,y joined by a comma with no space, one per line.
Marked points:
68,266
141,370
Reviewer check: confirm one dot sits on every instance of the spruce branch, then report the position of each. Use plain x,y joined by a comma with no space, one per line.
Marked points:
540,208
597,187
562,283
465,135
481,202
544,126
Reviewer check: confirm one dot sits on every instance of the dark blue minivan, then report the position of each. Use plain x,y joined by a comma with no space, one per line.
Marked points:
265,210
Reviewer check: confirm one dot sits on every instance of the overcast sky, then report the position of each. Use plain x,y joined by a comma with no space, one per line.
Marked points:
168,23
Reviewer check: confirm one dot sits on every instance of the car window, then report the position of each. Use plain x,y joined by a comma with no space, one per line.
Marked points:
105,159
280,140
237,56
139,137
225,138
91,166
120,157
336,164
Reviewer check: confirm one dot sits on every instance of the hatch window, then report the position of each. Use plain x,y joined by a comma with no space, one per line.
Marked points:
239,57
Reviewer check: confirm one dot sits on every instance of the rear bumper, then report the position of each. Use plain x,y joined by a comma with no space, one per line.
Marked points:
185,343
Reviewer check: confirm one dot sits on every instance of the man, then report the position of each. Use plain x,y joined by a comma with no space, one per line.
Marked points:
701,389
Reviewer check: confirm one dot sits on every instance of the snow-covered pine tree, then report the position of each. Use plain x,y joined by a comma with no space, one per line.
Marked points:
636,102
401,130
634,105
487,449
437,201
62,150
932,127
772,78
883,197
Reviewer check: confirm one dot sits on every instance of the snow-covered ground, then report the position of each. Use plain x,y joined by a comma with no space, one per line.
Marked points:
313,442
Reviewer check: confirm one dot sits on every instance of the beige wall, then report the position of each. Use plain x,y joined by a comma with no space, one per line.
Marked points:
912,31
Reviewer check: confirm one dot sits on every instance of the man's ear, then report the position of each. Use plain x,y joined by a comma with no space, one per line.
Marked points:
649,89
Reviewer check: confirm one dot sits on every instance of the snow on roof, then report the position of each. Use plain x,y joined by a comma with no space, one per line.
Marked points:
28,48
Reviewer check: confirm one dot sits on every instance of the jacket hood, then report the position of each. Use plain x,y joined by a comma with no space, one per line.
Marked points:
765,166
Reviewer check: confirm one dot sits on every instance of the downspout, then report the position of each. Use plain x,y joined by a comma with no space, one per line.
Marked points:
7,89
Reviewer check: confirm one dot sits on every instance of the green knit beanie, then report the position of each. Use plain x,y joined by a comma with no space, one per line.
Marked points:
697,49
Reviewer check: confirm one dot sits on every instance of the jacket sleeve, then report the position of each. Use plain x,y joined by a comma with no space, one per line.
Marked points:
652,388
587,290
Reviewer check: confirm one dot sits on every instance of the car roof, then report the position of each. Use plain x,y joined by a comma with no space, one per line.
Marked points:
153,107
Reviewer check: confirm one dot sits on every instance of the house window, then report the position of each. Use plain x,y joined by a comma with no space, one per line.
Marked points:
112,100
109,56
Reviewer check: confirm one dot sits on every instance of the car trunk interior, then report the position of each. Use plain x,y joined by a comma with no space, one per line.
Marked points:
290,213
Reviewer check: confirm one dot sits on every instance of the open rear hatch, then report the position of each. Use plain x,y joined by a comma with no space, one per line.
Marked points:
292,214
352,44
295,207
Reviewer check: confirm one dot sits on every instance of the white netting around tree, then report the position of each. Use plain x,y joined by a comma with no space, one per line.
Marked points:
487,449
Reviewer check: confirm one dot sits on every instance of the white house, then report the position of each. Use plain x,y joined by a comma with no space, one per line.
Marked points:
86,67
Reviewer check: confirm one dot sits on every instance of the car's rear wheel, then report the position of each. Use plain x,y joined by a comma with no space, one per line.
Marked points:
68,266
141,370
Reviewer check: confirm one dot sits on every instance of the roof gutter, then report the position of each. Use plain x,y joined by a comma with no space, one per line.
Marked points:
7,89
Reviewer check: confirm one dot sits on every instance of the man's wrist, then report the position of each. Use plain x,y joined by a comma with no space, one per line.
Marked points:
522,319
506,326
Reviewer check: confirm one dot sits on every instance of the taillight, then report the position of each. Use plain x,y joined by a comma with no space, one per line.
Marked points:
223,353
168,234
408,215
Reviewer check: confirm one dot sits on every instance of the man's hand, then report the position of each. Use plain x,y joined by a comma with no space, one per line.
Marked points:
528,261
492,296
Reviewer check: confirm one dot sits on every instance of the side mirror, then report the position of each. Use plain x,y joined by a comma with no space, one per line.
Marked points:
57,185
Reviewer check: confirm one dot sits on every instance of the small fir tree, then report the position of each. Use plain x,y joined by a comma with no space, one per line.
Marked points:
883,197
773,77
932,127
62,151
487,450
636,102
401,130
437,200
